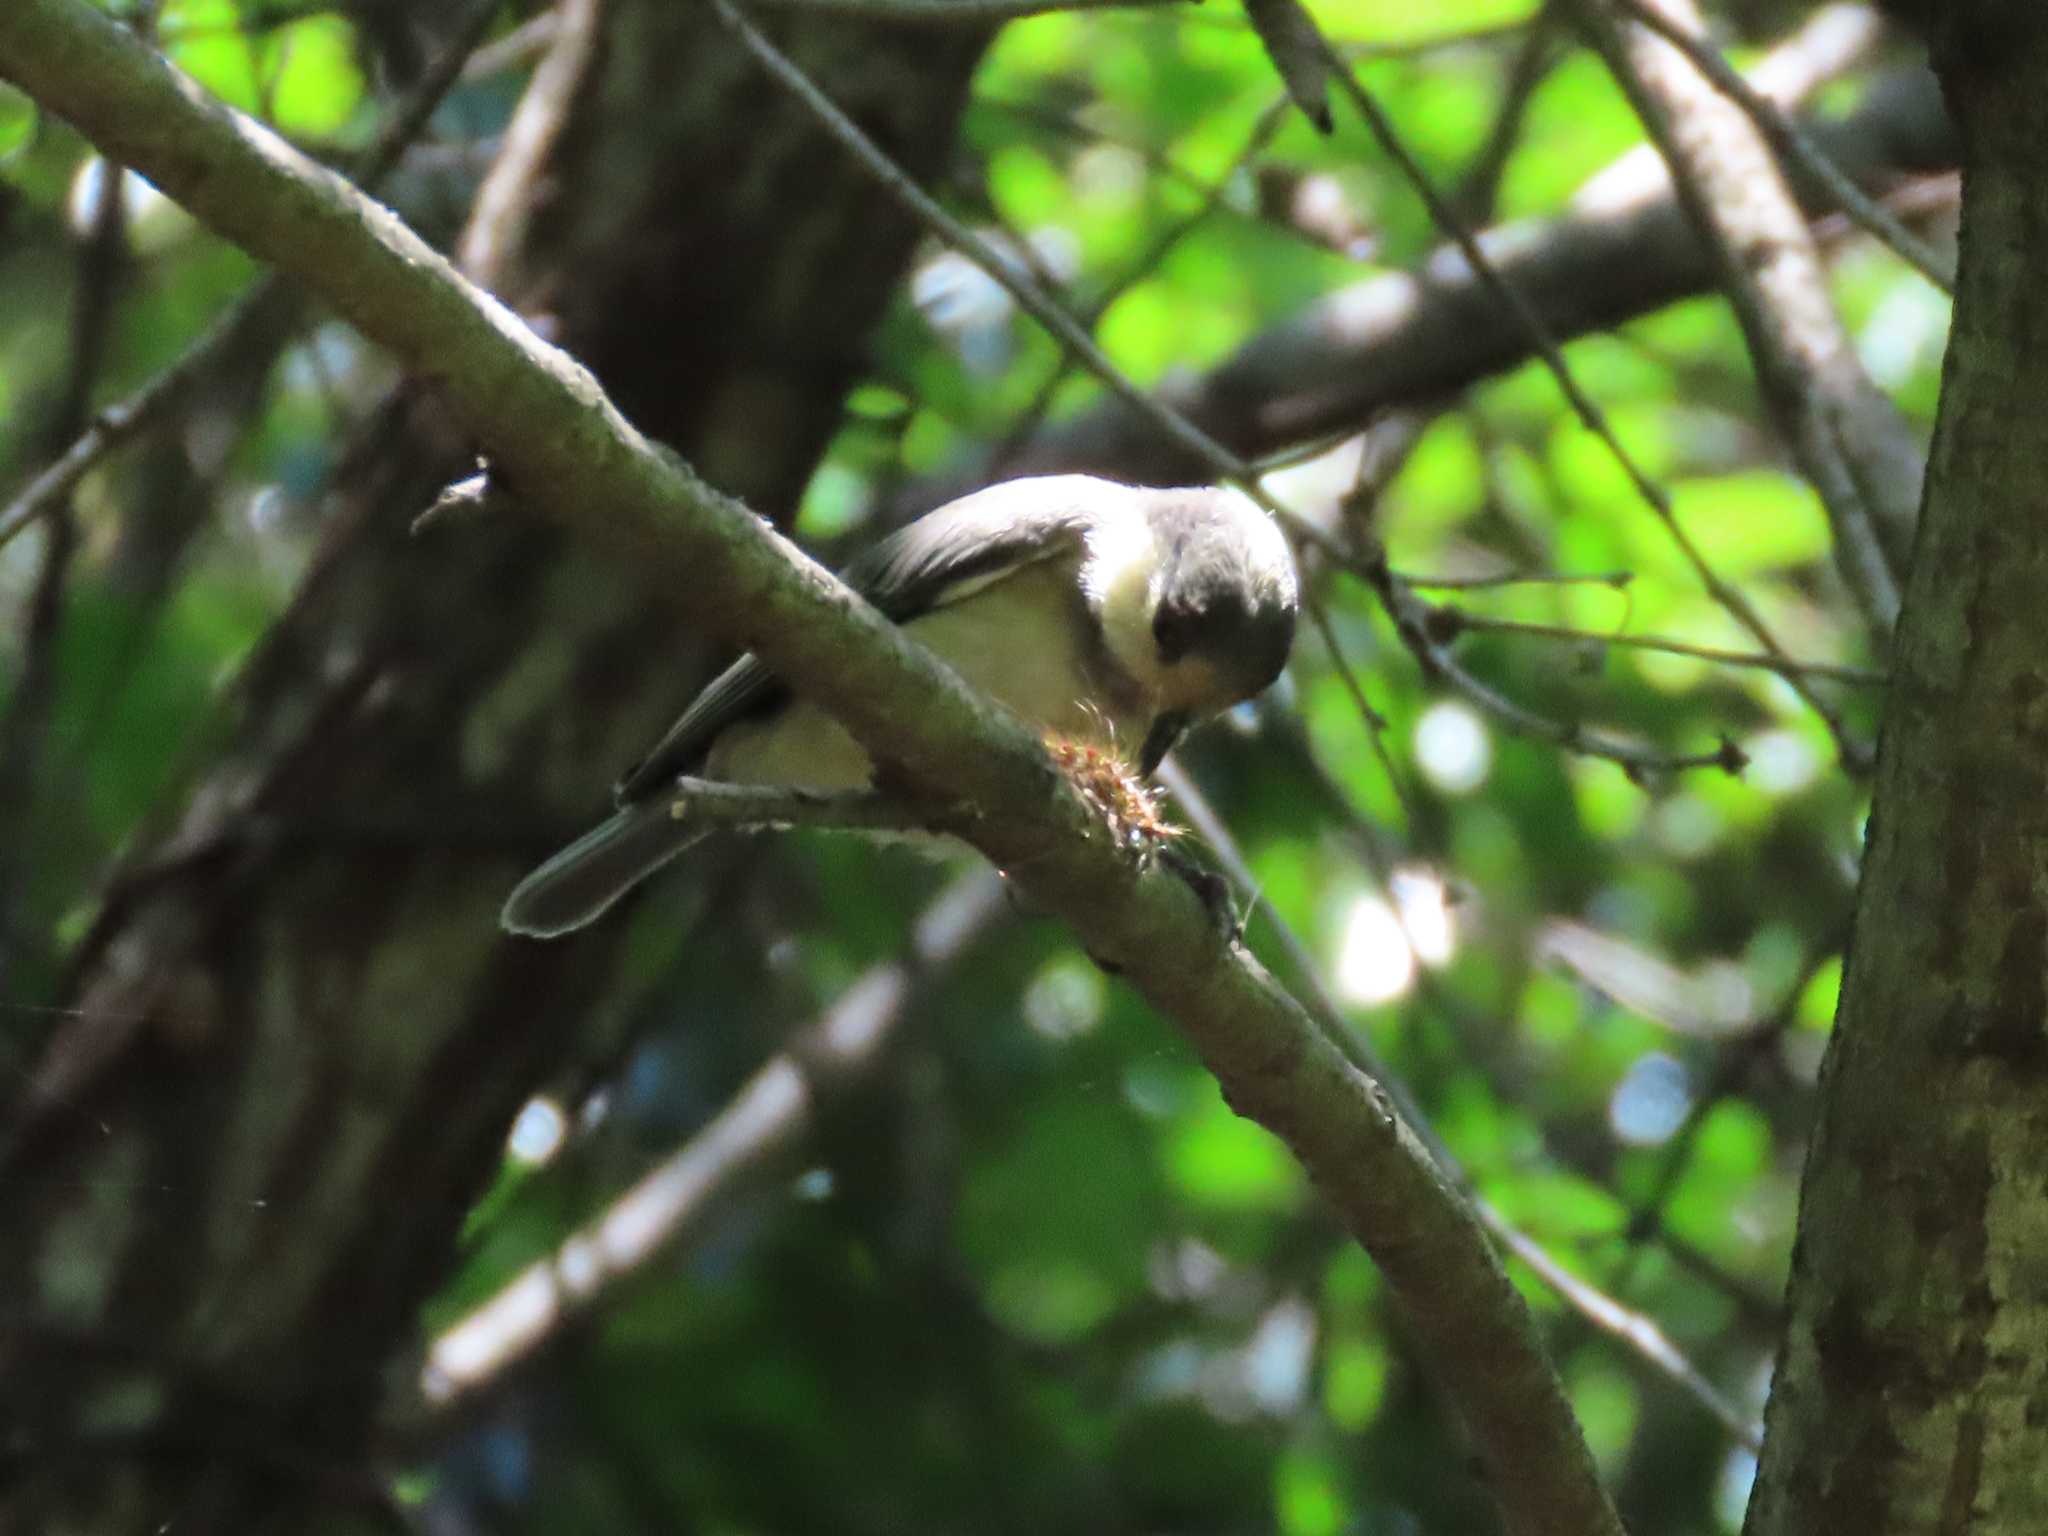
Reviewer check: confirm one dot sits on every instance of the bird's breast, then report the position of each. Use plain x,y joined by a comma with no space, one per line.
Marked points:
1033,643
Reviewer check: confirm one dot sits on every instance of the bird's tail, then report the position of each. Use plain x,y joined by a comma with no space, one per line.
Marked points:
579,883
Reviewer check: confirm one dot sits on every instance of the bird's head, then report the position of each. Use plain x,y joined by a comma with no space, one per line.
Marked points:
1223,600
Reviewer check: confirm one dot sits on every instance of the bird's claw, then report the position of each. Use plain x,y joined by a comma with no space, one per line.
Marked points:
1211,888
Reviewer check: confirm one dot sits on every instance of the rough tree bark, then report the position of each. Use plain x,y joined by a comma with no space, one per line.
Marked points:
298,1003
1912,1387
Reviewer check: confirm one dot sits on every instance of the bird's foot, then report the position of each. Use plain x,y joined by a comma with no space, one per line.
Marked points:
1212,888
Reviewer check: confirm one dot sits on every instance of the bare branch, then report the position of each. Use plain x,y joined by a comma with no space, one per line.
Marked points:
1632,1329
960,12
1531,324
1033,299
1845,436
1796,148
1457,619
719,804
264,312
759,1132
496,231
570,455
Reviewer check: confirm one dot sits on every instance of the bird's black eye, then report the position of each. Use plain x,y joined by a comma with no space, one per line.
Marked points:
1174,630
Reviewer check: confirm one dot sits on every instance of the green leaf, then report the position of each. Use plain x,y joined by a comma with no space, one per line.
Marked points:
316,87
1218,1158
1746,524
1054,1217
1309,1496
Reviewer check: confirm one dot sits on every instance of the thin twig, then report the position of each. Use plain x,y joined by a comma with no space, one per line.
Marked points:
1034,413
960,12
1638,1332
1375,472
1632,1328
750,805
1615,579
1457,619
528,40
760,1130
1303,452
1797,148
1375,723
498,216
1583,405
1427,631
1841,431
264,310
25,723
1479,183
1638,763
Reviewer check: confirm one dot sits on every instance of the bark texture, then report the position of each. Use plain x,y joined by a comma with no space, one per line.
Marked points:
1912,1388
235,1175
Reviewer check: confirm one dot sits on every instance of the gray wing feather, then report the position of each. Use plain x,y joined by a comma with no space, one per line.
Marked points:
742,689
940,558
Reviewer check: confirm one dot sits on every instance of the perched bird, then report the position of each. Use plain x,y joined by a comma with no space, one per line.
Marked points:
1105,612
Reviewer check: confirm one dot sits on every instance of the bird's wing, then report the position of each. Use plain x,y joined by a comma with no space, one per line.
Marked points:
743,690
976,541
941,558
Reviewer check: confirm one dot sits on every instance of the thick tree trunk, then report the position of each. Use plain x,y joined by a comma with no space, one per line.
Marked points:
239,1170
1912,1389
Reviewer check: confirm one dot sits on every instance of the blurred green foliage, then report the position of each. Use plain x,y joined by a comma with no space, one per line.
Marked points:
1051,1281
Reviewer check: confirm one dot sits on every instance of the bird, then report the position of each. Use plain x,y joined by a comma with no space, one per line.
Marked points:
1093,610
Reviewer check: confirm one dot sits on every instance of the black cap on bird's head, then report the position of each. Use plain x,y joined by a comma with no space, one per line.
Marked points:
1224,598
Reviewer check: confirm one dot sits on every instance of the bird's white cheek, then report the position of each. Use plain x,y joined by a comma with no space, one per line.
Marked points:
1122,560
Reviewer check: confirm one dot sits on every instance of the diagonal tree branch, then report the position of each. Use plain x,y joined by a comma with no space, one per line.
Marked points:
26,717
1529,322
498,218
1220,462
1217,460
1795,147
1845,436
259,319
1624,249
758,1133
1635,1332
943,13
566,449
